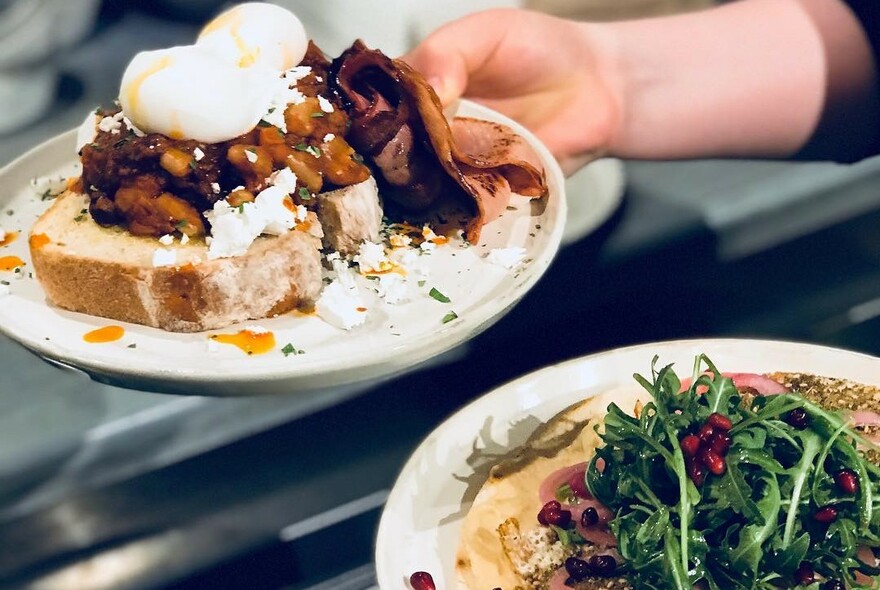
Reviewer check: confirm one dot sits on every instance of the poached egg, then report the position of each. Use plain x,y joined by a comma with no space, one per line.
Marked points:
220,87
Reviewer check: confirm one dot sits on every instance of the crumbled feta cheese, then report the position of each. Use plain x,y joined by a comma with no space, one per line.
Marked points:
198,154
325,104
166,240
163,257
329,137
271,204
215,188
399,240
233,229
416,267
428,234
371,258
285,179
257,330
286,93
251,156
427,246
4,290
392,288
301,213
134,129
184,239
509,258
111,124
341,306
212,345
319,79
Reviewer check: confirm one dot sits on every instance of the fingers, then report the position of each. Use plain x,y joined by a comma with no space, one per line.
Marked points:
449,56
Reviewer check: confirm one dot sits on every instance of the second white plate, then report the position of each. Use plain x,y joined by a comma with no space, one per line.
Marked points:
419,529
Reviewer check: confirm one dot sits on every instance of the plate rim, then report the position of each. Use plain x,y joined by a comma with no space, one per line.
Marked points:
360,367
448,424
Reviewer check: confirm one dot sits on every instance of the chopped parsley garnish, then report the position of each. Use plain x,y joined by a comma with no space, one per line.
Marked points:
422,283
449,317
317,115
759,513
133,345
309,149
180,224
304,193
6,283
82,215
438,295
289,349
193,165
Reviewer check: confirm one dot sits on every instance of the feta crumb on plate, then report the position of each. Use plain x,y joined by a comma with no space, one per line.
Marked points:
166,240
198,154
371,258
508,258
393,288
341,306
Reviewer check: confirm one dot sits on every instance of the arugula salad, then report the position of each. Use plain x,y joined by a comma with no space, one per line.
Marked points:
715,489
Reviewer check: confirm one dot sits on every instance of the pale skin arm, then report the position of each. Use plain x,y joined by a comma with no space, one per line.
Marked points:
757,78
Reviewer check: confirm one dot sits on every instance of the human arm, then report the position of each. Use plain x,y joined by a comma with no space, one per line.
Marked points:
756,78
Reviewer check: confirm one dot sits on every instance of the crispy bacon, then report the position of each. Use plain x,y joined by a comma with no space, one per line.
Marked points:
398,123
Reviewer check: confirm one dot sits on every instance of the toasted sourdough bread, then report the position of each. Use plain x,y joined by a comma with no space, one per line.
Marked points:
108,272
501,544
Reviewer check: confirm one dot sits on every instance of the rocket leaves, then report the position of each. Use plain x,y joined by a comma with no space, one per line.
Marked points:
754,525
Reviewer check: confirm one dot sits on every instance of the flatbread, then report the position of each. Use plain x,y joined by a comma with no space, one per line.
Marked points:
511,491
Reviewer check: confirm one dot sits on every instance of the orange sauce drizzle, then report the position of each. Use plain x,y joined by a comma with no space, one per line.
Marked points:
105,334
361,309
10,237
303,225
385,271
249,342
37,241
10,262
135,89
440,240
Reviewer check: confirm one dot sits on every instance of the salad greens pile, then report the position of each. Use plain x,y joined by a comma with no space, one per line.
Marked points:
754,526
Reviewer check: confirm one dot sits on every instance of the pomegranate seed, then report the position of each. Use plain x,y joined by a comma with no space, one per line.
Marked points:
422,581
833,585
706,432
578,569
559,518
798,418
720,443
603,566
713,461
590,517
696,472
578,485
551,506
690,444
719,421
826,515
847,481
804,574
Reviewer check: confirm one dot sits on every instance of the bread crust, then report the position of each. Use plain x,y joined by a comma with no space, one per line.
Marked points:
107,272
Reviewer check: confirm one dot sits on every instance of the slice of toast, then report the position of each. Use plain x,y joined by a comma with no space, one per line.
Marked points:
108,272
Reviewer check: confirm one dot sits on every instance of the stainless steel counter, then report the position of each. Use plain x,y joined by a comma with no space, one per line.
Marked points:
105,487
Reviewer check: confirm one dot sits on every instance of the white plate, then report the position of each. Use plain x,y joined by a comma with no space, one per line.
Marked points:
420,525
395,338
